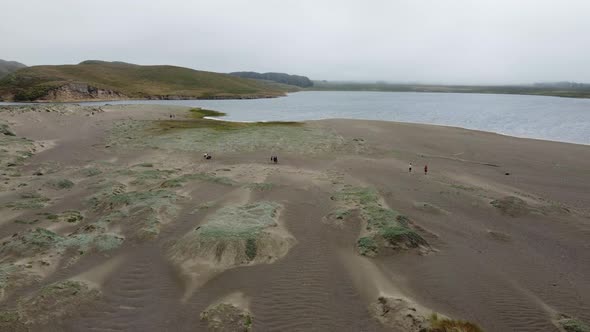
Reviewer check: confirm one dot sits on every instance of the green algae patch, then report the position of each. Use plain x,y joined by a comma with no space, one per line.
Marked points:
385,228
227,317
54,301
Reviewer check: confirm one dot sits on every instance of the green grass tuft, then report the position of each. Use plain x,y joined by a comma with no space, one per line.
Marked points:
382,223
573,325
60,184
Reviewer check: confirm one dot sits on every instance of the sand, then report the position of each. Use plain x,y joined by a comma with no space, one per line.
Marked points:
118,198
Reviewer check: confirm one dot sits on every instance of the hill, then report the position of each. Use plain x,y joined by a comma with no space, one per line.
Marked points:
100,80
7,67
300,81
576,90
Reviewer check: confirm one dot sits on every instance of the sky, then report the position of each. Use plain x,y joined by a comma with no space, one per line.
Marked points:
422,41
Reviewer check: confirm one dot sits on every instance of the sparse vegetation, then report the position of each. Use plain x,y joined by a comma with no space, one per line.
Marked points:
91,171
385,227
438,324
262,186
570,324
60,184
208,177
227,317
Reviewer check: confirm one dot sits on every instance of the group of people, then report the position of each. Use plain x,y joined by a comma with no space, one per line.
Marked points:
274,159
425,169
207,156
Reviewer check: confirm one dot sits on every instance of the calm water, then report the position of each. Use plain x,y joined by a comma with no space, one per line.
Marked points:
551,118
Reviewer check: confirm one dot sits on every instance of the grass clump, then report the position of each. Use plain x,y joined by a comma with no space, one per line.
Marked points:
143,211
60,184
260,186
227,317
367,246
251,248
385,227
570,324
208,177
28,200
245,221
91,171
438,324
55,300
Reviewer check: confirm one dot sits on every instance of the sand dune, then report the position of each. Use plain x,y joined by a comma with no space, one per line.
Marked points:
111,220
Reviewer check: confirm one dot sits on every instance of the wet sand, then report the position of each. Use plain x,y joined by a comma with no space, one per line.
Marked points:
514,265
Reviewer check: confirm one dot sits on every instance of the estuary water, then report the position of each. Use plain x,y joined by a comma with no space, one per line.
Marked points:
541,117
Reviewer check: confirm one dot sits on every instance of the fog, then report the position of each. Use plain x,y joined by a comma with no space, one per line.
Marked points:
451,41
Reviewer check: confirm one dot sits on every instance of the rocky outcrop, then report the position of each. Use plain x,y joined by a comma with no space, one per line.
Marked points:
79,92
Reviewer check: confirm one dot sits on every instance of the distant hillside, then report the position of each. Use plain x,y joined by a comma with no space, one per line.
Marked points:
576,90
100,80
300,81
7,67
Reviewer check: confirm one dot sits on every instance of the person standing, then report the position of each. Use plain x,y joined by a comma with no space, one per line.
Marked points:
410,168
425,169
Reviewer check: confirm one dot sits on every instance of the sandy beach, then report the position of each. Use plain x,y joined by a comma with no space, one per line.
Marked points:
112,220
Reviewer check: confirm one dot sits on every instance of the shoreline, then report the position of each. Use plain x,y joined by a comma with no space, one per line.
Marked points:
220,118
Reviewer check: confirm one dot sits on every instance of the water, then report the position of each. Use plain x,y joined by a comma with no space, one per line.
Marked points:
550,118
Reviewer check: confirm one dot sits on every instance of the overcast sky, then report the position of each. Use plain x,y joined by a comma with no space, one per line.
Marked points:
435,41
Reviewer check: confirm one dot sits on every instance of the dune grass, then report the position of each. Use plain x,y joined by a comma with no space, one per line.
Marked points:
570,324
438,324
384,226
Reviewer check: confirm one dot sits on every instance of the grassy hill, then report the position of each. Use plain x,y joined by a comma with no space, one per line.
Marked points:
99,80
7,67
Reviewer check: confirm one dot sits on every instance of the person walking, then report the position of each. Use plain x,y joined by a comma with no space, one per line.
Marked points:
410,168
425,169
